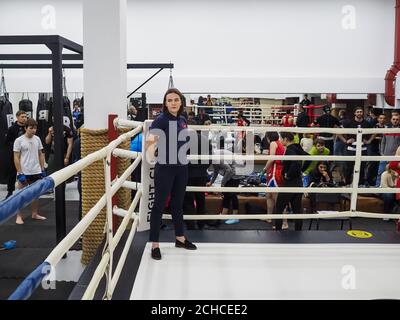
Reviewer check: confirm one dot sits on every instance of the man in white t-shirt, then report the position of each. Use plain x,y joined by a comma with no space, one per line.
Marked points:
29,162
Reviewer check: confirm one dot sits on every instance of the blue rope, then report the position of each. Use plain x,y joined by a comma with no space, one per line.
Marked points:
23,197
31,282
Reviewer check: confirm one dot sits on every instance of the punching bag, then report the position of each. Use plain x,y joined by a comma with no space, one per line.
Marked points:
27,106
6,120
67,113
6,111
43,116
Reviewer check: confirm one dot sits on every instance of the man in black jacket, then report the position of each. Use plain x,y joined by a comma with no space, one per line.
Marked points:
302,120
327,121
305,101
292,177
16,130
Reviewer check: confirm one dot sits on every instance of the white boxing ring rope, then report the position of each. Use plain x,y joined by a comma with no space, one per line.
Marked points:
62,175
67,172
113,186
73,236
250,157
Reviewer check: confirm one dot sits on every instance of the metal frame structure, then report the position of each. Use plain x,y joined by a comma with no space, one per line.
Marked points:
56,44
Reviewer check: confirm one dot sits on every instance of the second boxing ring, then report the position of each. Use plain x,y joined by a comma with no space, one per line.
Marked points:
141,289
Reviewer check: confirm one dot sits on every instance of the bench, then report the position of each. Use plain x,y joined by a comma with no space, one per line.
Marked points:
214,203
367,204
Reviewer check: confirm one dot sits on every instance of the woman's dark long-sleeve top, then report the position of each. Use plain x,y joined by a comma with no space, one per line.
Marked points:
293,169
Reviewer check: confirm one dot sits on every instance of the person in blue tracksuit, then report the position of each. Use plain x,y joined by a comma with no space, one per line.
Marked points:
167,141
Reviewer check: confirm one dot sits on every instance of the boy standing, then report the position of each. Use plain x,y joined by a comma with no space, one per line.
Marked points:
29,162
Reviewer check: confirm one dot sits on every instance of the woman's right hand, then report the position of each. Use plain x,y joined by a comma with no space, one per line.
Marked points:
208,184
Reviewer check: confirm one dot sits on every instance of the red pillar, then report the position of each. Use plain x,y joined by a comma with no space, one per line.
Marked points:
112,135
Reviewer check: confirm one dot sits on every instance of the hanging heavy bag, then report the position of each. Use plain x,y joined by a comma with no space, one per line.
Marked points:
67,113
6,110
42,117
50,107
27,106
6,120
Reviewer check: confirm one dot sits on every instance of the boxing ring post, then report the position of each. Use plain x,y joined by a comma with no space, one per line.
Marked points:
110,172
112,135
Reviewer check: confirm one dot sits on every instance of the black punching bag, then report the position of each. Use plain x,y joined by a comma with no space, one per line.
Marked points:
67,114
27,106
43,116
6,110
6,120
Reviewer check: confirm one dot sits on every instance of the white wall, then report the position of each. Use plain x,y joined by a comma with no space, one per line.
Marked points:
253,46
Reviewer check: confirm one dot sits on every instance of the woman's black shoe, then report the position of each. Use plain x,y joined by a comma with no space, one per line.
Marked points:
186,245
156,253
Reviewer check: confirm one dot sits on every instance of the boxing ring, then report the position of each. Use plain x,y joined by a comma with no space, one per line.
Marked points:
271,270
262,271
